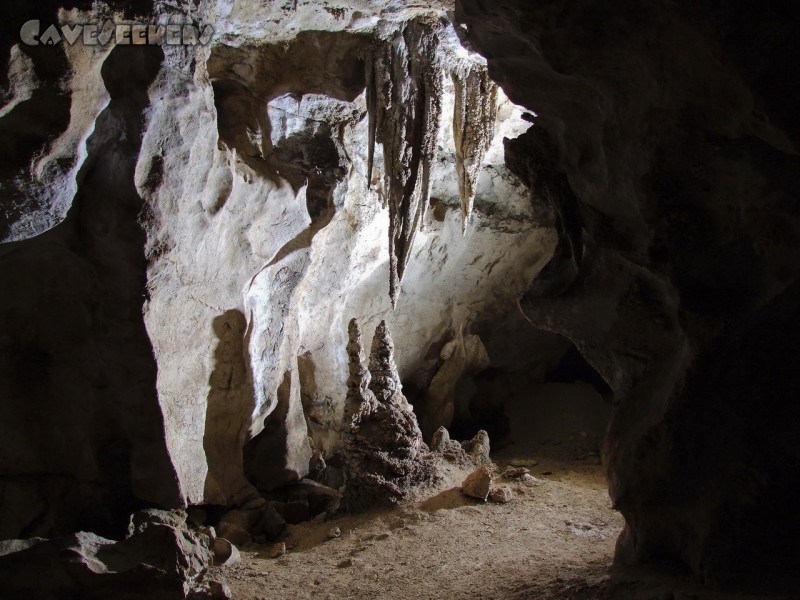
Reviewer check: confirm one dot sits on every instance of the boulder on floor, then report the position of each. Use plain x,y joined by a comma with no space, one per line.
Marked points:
161,559
478,484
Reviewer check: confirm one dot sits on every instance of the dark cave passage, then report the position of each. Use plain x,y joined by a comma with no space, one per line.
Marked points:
559,406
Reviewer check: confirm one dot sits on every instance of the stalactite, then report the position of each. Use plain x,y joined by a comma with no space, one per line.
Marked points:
473,129
404,88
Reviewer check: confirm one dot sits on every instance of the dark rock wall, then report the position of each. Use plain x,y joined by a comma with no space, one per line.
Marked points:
665,143
83,435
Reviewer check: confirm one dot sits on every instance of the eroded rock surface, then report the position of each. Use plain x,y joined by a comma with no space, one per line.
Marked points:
187,230
473,129
160,558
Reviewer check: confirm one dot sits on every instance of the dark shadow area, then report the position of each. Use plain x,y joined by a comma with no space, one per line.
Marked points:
447,499
264,455
573,368
560,411
230,402
86,374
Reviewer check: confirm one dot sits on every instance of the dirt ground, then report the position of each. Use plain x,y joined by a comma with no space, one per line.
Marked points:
446,544
554,541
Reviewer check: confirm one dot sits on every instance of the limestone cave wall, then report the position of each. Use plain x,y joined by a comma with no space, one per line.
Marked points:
188,230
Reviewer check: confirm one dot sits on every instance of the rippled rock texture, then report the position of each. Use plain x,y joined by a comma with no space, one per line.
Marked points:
175,305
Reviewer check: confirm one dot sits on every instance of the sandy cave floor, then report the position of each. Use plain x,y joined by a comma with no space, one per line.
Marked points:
445,544
553,541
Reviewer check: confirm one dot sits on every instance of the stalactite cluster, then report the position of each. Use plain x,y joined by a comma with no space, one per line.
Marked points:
473,129
404,88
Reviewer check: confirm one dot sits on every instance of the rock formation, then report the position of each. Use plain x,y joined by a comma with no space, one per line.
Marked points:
461,357
184,231
185,228
404,89
669,186
473,452
473,129
161,558
385,457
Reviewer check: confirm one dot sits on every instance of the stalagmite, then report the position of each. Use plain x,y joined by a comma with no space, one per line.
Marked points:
404,87
385,382
474,117
385,456
360,399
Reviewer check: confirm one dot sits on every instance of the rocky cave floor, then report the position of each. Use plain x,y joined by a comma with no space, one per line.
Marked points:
554,540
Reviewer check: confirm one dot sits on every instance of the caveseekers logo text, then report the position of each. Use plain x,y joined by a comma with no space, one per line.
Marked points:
101,34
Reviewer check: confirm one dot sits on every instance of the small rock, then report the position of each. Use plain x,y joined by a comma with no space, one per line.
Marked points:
515,473
270,524
523,462
478,483
382,536
218,590
254,503
277,550
225,553
501,495
334,533
234,532
320,498
530,480
140,520
347,562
